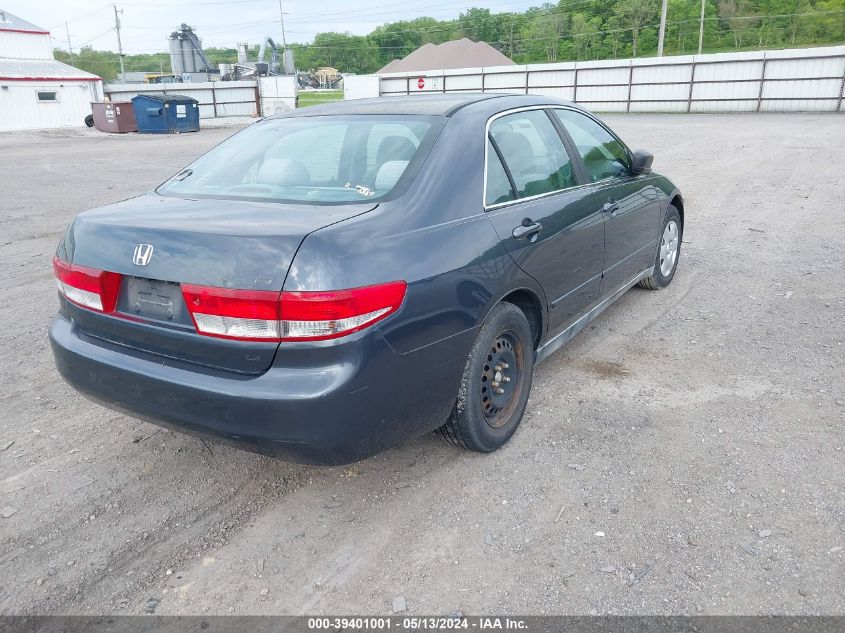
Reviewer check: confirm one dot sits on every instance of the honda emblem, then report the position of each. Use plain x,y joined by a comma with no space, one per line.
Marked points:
143,254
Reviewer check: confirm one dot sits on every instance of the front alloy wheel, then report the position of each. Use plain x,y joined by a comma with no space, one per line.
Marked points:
669,248
668,253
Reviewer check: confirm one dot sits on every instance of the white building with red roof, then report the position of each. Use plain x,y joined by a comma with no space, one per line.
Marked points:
36,91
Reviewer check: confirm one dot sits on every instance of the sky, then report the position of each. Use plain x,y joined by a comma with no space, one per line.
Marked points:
146,24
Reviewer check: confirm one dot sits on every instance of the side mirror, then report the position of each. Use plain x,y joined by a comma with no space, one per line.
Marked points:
641,161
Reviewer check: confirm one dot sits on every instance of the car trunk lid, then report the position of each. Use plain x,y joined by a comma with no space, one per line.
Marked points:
234,244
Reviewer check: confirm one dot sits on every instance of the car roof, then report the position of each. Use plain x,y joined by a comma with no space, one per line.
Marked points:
432,105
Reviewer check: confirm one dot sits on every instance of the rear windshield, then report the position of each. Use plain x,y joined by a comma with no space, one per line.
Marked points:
310,159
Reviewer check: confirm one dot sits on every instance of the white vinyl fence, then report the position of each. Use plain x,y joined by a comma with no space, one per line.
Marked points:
216,98
264,97
360,86
277,94
794,80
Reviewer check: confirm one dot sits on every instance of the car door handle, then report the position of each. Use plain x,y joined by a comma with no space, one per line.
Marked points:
611,207
528,229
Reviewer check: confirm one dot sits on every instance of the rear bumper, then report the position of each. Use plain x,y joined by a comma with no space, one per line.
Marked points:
335,405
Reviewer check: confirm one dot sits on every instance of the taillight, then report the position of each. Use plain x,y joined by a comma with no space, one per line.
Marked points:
87,287
260,315
311,316
239,314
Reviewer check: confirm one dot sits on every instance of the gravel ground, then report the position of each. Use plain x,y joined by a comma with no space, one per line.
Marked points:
681,456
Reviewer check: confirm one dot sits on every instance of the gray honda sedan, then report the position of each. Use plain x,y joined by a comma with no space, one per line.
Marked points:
333,281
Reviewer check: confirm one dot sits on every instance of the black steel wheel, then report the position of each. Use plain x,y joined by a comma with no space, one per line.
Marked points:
500,379
496,383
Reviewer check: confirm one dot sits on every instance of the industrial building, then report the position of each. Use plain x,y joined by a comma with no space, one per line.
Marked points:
36,91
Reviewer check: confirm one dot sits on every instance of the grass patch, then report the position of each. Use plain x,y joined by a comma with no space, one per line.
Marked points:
315,97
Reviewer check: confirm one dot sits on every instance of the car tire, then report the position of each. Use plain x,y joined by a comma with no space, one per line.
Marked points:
89,120
668,251
502,358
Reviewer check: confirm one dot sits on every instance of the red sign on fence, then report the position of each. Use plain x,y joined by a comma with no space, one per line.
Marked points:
421,83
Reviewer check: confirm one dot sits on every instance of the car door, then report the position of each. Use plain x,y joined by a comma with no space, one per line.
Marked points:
542,212
630,202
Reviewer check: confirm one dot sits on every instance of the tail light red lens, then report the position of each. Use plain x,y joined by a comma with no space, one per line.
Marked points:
311,316
87,287
250,315
238,314
259,315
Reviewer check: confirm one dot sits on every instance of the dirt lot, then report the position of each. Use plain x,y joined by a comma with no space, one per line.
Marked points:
683,455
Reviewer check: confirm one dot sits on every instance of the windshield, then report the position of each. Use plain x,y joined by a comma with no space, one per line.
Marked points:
308,159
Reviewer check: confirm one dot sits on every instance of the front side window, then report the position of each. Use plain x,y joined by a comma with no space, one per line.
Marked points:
604,156
533,153
46,96
319,159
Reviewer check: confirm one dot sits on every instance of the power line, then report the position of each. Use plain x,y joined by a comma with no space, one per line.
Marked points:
96,37
191,4
450,5
80,17
423,31
556,10
228,26
597,32
495,16
749,17
343,12
345,44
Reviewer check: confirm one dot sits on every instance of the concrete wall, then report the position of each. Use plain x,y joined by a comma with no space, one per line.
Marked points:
20,110
216,99
806,80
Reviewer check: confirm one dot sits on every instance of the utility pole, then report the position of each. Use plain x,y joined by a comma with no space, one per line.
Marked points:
510,36
701,28
661,36
161,76
119,45
282,18
69,47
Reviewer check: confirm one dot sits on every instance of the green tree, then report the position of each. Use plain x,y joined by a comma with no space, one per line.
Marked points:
348,53
634,15
397,39
542,33
479,25
585,35
218,56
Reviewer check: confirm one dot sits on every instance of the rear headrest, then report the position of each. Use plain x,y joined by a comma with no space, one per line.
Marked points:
283,172
516,149
389,174
394,148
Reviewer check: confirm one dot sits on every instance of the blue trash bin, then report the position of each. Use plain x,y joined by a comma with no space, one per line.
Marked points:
166,114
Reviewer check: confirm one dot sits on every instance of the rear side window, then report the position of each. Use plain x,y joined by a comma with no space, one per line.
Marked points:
533,153
498,186
604,155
